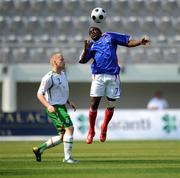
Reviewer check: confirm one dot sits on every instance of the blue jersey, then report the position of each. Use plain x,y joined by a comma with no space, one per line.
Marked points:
103,51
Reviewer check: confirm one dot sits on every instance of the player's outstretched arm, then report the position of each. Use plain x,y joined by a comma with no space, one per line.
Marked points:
142,41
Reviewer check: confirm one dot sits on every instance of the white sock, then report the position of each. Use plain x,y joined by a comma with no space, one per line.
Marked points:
50,143
53,141
68,143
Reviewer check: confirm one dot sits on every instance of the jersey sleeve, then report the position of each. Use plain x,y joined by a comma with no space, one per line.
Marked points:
120,39
45,84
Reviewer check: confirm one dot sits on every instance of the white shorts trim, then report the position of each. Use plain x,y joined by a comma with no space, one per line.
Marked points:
105,85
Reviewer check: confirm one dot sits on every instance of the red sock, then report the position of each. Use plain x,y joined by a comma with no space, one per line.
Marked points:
92,120
107,118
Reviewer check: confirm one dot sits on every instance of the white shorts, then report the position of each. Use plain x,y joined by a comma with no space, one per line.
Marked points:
105,85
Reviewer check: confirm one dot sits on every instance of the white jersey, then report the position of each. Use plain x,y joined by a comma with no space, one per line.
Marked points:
157,103
55,88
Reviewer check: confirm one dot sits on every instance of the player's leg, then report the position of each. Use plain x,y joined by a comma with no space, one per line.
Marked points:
96,92
92,118
107,117
68,145
112,93
68,135
53,141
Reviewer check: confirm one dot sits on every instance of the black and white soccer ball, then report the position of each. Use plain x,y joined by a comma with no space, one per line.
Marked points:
98,15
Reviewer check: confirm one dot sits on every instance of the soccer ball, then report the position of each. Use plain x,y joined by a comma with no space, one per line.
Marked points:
98,15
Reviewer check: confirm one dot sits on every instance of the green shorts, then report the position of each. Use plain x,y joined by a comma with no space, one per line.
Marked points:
60,119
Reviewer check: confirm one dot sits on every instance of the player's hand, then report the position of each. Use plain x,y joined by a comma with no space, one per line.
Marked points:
145,40
71,104
51,109
86,44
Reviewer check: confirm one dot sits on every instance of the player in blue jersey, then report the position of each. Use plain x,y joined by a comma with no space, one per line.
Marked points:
105,73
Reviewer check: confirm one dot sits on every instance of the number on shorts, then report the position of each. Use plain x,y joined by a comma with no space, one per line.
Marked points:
116,91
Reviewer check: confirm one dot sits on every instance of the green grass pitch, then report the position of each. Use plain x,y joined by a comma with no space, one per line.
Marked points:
112,159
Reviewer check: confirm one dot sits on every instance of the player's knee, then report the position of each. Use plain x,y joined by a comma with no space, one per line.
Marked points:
95,103
111,104
69,130
93,109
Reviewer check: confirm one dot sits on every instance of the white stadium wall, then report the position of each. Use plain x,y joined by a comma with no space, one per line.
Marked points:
134,95
138,85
